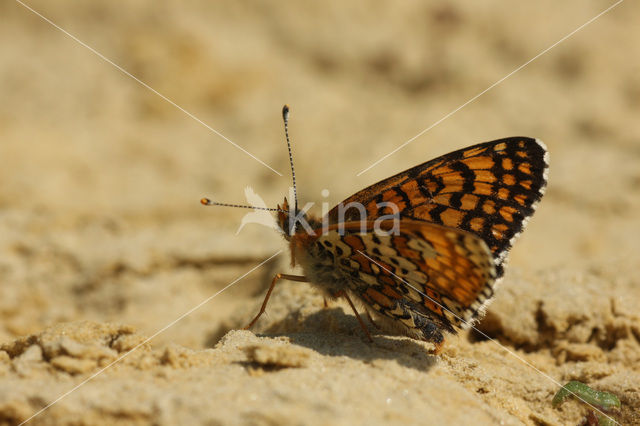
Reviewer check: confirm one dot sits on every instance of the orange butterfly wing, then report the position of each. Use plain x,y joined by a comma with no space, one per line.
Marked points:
423,273
489,189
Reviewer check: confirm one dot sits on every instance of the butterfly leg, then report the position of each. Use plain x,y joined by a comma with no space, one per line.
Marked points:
438,348
362,324
299,278
371,320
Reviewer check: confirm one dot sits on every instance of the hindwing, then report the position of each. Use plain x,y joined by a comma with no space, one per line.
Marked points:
424,270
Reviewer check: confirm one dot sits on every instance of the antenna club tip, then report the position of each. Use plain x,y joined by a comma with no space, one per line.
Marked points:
285,111
205,201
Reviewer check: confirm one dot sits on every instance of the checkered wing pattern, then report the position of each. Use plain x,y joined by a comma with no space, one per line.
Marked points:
424,274
490,189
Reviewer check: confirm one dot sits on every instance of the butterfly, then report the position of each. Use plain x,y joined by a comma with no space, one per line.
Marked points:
423,250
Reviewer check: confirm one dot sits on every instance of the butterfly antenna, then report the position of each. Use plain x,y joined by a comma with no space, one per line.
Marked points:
208,202
285,117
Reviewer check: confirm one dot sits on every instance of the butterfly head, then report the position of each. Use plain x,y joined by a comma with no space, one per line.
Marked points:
283,218
287,220
290,222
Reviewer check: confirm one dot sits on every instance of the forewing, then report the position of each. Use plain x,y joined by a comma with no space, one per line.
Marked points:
490,189
442,273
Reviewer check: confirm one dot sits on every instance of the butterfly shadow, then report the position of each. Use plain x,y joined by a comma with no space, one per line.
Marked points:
331,332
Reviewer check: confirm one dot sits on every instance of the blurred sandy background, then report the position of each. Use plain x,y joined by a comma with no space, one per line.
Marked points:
103,241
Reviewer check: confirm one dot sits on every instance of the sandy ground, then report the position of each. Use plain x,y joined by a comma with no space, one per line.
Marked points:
103,243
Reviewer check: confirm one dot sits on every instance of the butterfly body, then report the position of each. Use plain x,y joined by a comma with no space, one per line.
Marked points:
428,255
